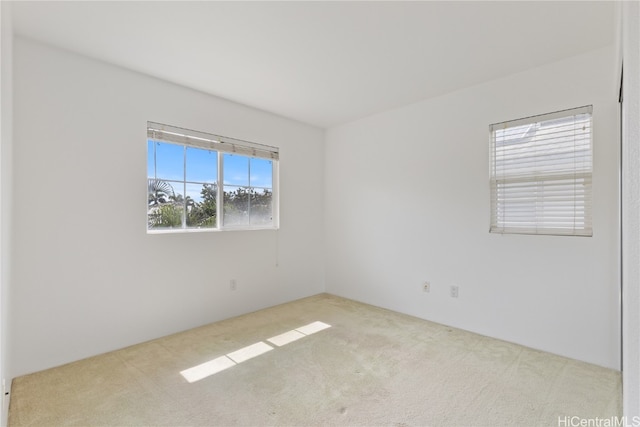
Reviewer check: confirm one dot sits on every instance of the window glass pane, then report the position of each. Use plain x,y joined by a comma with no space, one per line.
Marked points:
202,165
165,204
151,167
166,216
201,205
261,211
261,173
169,161
236,205
236,170
160,192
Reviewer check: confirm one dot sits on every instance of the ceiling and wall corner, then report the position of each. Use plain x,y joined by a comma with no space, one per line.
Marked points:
322,63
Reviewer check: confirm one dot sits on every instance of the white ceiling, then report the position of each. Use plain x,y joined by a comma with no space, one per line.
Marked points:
322,63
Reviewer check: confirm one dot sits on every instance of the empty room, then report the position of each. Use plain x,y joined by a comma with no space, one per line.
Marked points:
356,213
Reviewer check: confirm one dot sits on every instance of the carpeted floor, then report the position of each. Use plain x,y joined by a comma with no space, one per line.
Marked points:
324,360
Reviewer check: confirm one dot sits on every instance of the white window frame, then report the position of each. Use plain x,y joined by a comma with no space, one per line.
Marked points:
222,145
541,180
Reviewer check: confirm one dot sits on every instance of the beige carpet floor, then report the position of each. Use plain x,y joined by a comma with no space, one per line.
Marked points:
368,366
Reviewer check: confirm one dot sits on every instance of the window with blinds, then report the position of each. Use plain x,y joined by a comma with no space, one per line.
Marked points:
199,181
541,170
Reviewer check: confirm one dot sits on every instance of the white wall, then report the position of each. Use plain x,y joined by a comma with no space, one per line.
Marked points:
630,41
407,200
88,279
6,126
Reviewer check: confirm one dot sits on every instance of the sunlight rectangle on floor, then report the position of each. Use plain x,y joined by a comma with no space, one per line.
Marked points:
249,352
286,338
312,328
207,369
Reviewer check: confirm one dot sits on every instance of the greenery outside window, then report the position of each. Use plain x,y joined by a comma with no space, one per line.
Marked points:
199,181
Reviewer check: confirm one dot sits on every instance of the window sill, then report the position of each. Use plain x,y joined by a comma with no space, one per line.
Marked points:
207,230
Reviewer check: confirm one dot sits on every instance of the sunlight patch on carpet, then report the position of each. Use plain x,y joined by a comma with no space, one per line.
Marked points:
207,369
221,363
249,352
286,338
312,328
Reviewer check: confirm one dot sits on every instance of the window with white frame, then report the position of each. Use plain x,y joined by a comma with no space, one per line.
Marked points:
200,181
541,170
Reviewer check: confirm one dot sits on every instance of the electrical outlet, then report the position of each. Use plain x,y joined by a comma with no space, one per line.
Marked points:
454,291
426,287
233,284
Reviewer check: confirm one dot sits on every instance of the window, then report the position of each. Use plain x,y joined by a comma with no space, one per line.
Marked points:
199,181
541,171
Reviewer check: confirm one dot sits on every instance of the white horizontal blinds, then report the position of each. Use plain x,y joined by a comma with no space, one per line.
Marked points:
192,138
541,171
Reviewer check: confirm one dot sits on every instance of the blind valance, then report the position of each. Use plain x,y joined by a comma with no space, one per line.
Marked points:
192,138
